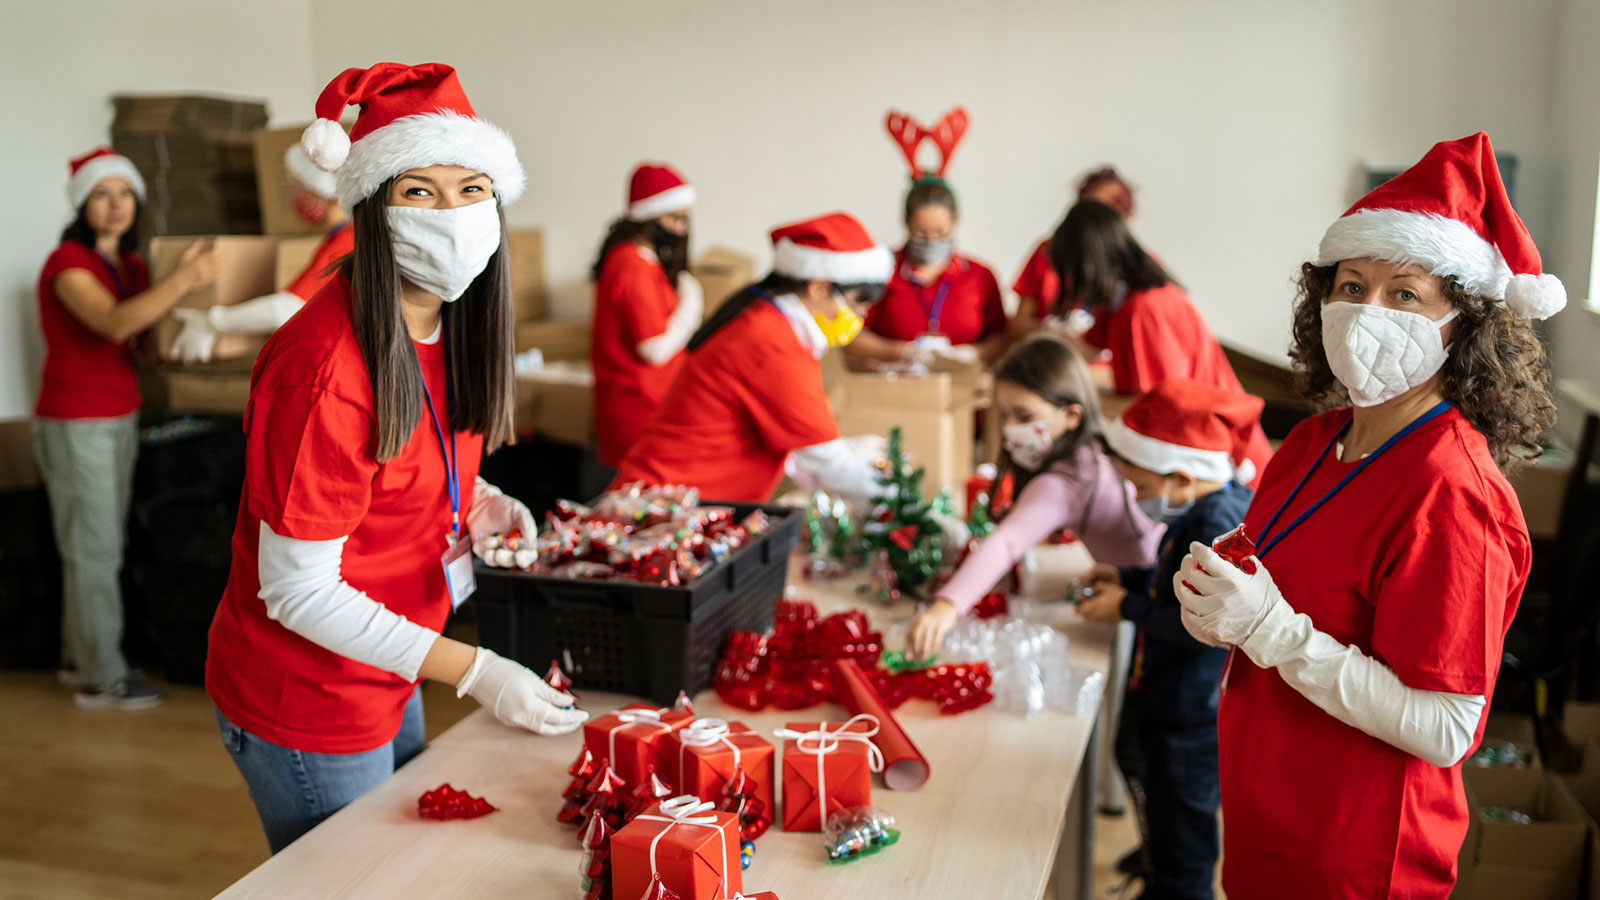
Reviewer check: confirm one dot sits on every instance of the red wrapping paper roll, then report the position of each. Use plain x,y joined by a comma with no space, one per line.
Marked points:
904,768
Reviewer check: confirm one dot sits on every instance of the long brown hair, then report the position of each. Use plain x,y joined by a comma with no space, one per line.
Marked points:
1048,366
478,338
1496,373
80,231
673,254
1094,251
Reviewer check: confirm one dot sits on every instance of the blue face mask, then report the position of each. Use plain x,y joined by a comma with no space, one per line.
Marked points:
1158,510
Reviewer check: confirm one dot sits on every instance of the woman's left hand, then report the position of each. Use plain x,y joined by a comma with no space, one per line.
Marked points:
495,512
1222,604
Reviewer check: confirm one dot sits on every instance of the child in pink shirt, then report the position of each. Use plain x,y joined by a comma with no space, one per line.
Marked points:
1048,404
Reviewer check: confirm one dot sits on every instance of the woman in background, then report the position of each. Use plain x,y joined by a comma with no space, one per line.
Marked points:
1038,287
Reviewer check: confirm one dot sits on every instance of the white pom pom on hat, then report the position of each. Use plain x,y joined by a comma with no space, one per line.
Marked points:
326,144
1536,296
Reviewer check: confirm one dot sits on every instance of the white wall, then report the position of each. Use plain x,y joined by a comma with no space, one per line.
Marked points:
62,62
1244,127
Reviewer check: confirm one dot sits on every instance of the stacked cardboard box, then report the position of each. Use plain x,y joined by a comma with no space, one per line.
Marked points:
197,157
274,186
722,273
557,403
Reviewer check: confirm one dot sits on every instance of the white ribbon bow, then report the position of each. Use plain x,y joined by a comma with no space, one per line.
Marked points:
823,742
630,718
707,732
691,811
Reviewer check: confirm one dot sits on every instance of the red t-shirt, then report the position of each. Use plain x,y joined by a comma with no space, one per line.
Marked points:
310,475
1038,280
632,301
744,400
1419,562
86,376
1158,334
963,304
336,244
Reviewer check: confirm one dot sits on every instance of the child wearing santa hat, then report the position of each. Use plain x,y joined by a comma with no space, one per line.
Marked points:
1183,448
315,201
646,306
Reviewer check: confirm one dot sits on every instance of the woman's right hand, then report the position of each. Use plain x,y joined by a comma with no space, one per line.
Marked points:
518,697
929,627
1101,573
199,266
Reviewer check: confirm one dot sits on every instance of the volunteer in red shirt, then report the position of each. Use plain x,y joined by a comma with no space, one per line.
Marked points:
1141,315
749,400
646,307
317,202
1037,287
1390,552
368,413
938,302
95,296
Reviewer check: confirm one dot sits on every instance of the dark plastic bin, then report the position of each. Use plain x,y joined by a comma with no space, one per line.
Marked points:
631,638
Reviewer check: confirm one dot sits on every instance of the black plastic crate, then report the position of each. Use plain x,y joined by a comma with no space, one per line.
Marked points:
633,638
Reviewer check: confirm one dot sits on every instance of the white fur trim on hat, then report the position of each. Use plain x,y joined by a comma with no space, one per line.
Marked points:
1444,246
873,264
669,200
1536,296
1164,457
302,169
96,170
430,139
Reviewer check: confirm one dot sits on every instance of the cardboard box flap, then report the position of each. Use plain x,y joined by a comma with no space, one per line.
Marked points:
1554,840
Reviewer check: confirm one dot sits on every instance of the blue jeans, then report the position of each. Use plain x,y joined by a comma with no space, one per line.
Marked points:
293,790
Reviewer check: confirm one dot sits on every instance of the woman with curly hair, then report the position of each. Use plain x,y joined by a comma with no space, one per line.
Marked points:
1365,658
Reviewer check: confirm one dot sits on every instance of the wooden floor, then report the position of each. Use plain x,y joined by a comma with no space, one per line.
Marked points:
128,805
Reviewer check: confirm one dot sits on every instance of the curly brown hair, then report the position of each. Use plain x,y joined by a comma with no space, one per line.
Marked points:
1497,373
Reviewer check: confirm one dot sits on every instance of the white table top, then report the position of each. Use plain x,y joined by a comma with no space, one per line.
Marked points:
987,823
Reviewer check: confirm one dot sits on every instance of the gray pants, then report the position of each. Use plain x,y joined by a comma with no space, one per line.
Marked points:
88,474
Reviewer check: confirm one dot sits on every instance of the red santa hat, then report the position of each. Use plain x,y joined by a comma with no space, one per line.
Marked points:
1189,426
1449,213
657,189
411,117
833,247
91,168
302,169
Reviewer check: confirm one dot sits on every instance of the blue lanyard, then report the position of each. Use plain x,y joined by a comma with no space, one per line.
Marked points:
116,279
1267,544
452,482
936,311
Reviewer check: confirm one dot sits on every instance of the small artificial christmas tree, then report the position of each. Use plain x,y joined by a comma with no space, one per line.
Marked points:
902,526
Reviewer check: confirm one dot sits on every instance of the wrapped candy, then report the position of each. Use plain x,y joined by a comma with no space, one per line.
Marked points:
582,570
558,679
856,832
1237,548
446,802
747,853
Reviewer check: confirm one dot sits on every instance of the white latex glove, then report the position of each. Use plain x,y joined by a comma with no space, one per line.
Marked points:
869,448
1226,605
495,512
518,697
196,339
963,353
691,297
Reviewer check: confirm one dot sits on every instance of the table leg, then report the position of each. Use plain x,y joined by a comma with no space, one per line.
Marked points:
1113,792
1075,857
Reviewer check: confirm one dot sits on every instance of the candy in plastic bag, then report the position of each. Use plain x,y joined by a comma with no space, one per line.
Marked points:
858,831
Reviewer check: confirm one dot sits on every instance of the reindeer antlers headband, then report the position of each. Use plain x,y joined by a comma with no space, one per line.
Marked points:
946,134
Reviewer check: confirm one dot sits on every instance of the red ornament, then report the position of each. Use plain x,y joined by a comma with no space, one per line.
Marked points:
904,537
659,891
683,704
739,797
445,802
605,798
596,865
649,792
993,604
1237,548
558,679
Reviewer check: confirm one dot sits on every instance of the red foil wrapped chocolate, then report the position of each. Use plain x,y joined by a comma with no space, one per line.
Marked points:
446,802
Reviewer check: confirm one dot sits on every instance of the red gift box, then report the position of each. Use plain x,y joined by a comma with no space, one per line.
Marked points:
826,767
694,848
633,739
703,756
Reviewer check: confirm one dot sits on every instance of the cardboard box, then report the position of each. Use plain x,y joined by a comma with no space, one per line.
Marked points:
1541,860
1540,488
275,187
557,340
186,112
18,467
207,391
248,270
528,297
557,403
721,273
294,254
1586,790
934,413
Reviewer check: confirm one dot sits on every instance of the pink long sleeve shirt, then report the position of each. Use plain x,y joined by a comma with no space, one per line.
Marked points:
1084,493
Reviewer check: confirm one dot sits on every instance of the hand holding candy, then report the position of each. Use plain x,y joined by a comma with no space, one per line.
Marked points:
1222,603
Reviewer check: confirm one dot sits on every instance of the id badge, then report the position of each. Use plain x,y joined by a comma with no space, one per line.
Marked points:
458,576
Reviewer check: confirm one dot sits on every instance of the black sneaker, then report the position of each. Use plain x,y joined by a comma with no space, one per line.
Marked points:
132,692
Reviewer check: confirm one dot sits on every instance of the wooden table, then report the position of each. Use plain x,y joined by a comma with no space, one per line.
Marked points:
991,821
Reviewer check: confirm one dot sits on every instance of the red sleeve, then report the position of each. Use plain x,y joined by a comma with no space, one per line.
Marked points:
787,402
308,474
70,255
1443,592
1146,348
640,303
315,276
1030,280
994,307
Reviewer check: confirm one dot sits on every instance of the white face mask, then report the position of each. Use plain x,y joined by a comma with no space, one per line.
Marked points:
1158,510
442,250
1379,353
1028,443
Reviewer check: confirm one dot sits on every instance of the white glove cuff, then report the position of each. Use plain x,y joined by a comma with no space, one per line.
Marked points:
469,678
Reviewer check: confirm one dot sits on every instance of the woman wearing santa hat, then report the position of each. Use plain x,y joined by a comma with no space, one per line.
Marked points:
939,302
317,202
95,296
368,413
1141,315
750,401
1038,287
1390,551
646,307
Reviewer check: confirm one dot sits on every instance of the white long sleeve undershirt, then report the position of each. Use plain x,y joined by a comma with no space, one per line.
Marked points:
681,324
305,591
834,467
1434,726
